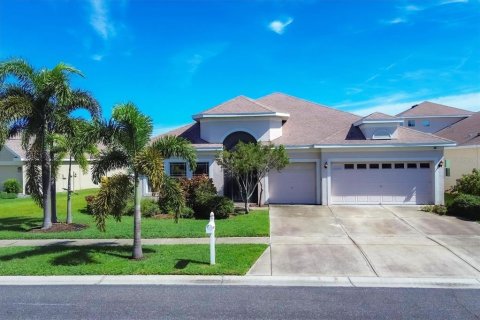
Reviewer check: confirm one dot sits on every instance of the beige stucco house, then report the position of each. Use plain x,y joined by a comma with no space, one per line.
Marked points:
336,157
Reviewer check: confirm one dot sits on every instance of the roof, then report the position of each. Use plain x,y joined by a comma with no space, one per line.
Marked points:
310,124
378,116
239,105
354,136
15,145
464,132
428,108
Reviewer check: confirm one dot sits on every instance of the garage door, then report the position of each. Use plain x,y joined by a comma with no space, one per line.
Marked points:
382,182
296,184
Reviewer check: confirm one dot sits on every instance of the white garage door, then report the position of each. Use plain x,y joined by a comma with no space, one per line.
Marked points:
382,182
296,184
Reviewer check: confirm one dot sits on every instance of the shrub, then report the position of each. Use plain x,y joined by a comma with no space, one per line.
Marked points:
89,199
187,213
11,186
438,209
171,198
149,208
6,195
223,207
469,183
190,186
466,206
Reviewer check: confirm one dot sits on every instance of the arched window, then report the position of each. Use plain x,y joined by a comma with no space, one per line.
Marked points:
234,138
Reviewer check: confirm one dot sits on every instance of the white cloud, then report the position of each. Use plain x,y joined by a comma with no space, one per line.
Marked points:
396,21
279,26
441,3
397,103
97,57
100,19
412,8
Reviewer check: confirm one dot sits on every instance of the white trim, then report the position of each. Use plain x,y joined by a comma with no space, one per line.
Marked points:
241,115
433,116
472,146
377,121
398,145
208,148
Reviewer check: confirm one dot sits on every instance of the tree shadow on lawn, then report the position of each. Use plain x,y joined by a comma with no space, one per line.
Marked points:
74,256
183,263
20,224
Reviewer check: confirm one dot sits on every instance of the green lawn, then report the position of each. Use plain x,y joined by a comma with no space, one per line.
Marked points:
232,259
18,216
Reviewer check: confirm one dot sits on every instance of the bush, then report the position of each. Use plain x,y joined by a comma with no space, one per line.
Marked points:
223,207
171,198
89,199
6,195
190,186
466,206
469,183
11,186
187,213
438,209
149,208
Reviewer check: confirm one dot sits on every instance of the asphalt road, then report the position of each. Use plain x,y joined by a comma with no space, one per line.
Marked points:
234,302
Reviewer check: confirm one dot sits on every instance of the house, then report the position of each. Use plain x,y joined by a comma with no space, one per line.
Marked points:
455,124
464,157
336,157
12,165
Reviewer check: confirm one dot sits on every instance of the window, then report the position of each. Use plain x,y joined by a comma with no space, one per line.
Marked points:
362,166
411,165
424,165
348,166
178,169
386,166
447,172
426,123
380,134
202,169
399,165
411,123
374,166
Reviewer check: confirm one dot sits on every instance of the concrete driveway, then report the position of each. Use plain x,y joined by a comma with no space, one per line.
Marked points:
382,241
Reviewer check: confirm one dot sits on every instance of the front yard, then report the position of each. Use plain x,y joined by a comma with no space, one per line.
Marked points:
232,259
19,216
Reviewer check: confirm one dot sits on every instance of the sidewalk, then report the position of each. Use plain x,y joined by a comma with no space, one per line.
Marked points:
126,242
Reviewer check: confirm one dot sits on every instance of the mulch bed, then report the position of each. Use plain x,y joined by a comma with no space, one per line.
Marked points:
61,227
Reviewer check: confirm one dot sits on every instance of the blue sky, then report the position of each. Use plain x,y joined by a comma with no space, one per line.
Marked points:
176,58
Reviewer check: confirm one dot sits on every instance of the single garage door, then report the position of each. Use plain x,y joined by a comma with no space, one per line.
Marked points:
382,182
295,184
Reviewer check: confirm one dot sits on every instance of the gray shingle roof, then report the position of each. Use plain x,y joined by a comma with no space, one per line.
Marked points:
464,132
428,108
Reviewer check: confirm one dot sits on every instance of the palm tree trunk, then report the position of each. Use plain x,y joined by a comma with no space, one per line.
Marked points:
53,189
46,185
69,192
137,222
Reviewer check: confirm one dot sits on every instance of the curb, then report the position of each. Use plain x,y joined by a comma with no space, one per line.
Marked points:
284,281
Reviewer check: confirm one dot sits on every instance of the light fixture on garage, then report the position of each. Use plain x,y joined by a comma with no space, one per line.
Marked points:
440,164
325,165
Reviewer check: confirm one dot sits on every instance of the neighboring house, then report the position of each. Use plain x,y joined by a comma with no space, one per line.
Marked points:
12,165
463,158
335,157
455,124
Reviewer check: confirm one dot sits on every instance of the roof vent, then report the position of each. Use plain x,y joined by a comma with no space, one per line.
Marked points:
414,106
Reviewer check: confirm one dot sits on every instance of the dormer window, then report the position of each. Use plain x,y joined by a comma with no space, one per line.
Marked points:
411,123
381,134
426,123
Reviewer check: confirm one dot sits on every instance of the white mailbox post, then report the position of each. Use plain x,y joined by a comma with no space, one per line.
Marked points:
210,229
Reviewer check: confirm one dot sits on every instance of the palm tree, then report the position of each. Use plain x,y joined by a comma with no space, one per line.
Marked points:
34,106
127,136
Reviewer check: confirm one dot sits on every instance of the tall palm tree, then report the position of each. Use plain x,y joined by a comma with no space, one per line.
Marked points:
32,105
127,136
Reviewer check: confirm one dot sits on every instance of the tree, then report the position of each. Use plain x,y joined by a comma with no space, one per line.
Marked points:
78,144
249,163
34,104
127,138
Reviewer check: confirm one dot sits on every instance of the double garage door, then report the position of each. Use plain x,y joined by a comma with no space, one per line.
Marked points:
382,182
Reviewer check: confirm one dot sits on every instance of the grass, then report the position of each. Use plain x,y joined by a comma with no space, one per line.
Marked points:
232,259
18,216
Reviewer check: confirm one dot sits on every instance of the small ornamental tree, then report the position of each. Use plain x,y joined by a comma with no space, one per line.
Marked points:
249,163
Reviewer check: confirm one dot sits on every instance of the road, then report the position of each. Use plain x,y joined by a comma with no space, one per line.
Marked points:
235,302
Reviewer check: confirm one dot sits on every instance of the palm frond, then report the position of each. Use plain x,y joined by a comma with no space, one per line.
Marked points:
112,198
80,99
33,173
173,146
172,196
19,69
150,163
109,160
